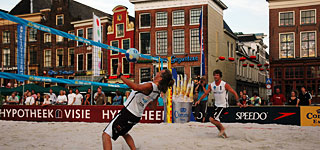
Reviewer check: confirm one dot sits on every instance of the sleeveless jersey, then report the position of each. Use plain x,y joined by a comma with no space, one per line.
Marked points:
220,94
137,101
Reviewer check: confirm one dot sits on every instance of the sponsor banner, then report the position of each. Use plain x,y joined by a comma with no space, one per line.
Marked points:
72,113
262,115
21,48
181,111
96,50
310,115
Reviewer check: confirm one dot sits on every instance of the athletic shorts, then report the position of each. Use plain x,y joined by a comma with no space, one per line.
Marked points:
218,113
202,107
121,124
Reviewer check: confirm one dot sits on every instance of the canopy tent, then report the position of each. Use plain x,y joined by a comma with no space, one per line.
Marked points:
36,88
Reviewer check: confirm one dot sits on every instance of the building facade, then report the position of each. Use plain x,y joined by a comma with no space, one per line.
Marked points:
120,34
252,73
294,53
171,29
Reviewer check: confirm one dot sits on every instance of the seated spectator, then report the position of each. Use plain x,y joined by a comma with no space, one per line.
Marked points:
293,99
39,99
244,101
46,100
100,98
30,99
71,97
62,98
255,100
87,99
117,99
13,99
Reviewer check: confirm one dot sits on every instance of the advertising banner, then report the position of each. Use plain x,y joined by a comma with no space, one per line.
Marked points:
310,115
21,48
72,113
96,50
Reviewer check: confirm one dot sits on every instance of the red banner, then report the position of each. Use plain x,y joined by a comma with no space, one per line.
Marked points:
72,113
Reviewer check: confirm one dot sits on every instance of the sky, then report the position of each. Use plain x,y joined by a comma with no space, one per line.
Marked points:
247,16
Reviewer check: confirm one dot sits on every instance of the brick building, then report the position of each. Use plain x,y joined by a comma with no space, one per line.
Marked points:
47,54
120,34
294,54
170,28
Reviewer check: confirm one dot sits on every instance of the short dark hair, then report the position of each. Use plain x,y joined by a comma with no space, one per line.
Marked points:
217,71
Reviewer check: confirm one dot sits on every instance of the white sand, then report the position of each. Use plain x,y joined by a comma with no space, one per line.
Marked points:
194,136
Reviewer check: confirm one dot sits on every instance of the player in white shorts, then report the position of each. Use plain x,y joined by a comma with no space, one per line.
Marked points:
142,95
220,91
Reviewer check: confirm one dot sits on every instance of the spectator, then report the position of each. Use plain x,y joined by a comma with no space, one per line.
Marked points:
87,99
25,95
71,97
255,100
30,99
245,93
39,99
304,98
53,97
34,95
100,98
95,94
240,94
278,98
201,106
19,97
62,98
117,99
78,98
13,99
46,100
126,97
293,100
160,100
244,100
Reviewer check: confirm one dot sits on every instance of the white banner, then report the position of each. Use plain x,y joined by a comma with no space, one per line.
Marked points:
97,55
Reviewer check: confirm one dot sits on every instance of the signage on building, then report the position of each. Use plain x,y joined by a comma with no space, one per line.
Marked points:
269,81
72,113
8,68
269,91
174,59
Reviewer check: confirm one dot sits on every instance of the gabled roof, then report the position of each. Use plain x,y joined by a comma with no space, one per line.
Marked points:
3,11
23,7
228,30
82,11
247,37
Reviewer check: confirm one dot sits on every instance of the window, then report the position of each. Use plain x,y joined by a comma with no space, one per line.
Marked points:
289,72
59,39
195,72
114,44
125,66
114,66
32,35
126,44
89,61
72,33
59,20
33,55
89,33
80,61
6,57
161,42
195,42
180,70
145,20
308,16
231,51
162,19
178,41
47,38
59,58
145,75
6,37
298,72
311,72
228,48
120,30
286,18
47,58
286,45
178,17
71,57
80,34
277,73
195,16
308,44
145,43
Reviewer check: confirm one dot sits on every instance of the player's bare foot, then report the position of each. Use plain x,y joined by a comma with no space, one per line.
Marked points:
223,134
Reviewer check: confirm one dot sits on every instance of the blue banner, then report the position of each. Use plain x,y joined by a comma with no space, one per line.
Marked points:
57,80
21,48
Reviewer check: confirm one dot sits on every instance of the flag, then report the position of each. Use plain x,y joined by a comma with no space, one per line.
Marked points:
21,48
202,66
97,55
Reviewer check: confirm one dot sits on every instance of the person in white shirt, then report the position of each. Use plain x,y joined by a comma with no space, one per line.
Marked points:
30,99
78,98
53,97
13,99
62,99
71,97
46,100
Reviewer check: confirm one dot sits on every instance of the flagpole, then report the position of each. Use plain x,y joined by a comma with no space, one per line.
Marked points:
93,64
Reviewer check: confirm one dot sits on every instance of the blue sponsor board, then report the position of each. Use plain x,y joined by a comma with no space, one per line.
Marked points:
21,48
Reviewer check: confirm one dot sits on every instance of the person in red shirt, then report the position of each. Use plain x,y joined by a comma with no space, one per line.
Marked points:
278,98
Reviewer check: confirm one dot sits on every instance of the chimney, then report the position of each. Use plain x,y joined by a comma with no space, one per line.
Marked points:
31,6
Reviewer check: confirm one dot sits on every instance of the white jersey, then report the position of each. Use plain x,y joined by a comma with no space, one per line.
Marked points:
137,101
220,94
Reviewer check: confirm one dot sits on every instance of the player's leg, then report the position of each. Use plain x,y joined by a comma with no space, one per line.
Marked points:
129,141
197,111
215,119
106,140
203,110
